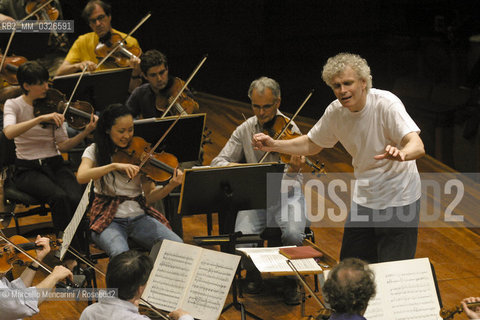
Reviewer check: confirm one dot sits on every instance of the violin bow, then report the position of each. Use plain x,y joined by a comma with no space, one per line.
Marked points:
306,285
152,150
289,121
40,264
123,39
185,85
4,238
104,59
74,90
14,30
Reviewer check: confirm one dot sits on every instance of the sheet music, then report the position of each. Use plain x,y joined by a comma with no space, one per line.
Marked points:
194,279
171,274
405,290
210,284
70,230
270,260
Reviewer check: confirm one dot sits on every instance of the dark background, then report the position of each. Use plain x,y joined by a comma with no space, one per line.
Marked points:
420,50
291,40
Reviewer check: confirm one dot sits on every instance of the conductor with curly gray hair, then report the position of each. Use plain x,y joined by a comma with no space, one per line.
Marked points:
383,140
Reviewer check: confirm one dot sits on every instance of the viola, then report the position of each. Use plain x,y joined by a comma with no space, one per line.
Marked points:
78,114
10,256
158,167
274,129
122,54
10,67
184,104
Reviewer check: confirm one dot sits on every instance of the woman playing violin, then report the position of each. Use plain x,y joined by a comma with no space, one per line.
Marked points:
13,306
82,53
120,209
152,99
40,170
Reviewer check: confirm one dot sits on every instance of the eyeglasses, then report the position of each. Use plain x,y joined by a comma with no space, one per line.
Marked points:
100,18
264,107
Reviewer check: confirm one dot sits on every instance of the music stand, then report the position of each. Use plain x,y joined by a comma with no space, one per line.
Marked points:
227,190
184,140
100,88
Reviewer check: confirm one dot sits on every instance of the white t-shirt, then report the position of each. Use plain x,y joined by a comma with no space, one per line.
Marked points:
383,121
38,142
117,184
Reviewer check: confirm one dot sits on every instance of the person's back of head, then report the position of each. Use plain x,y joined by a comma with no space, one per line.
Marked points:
127,272
349,287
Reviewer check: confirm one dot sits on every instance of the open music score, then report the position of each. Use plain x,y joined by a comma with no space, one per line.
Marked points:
405,290
194,279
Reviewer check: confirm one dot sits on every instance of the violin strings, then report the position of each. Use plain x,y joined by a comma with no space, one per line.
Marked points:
123,39
3,237
185,85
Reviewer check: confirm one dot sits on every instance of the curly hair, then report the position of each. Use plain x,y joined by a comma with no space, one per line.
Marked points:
337,64
350,286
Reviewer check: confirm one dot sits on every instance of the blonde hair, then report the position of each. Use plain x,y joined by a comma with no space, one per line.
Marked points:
337,64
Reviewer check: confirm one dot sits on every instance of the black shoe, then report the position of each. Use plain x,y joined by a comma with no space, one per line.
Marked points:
291,293
253,282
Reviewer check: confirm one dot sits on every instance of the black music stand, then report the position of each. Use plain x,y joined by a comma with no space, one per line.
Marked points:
184,140
227,190
100,88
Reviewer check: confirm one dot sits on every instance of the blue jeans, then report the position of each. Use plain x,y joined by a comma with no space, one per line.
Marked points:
144,230
289,217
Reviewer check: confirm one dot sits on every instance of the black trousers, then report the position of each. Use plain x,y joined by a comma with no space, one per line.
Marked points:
388,235
51,181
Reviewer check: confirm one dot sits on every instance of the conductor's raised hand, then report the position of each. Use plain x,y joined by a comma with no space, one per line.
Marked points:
261,141
391,153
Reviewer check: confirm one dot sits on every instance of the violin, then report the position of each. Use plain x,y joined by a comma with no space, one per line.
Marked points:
158,167
10,67
448,314
184,104
78,114
9,256
122,54
47,13
275,127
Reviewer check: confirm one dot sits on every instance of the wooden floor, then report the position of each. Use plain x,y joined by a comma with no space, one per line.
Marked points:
454,251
